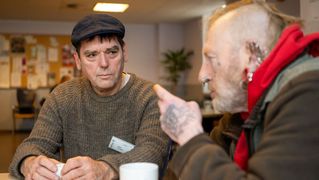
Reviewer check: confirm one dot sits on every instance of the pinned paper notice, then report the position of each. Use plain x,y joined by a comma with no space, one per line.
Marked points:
53,54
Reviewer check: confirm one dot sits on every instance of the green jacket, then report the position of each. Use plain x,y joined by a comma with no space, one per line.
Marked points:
284,142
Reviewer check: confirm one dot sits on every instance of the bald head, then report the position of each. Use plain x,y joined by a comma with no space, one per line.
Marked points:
250,23
251,20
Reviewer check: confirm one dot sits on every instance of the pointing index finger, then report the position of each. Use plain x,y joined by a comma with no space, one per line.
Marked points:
162,93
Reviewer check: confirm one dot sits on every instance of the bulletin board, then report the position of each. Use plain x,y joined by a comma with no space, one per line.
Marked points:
35,61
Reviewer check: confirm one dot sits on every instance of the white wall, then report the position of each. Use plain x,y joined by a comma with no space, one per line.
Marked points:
170,37
310,14
142,47
36,27
194,41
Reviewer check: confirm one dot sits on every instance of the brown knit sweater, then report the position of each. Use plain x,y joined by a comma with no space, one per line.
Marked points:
76,118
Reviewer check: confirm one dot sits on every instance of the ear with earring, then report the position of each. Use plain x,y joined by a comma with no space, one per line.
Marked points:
256,57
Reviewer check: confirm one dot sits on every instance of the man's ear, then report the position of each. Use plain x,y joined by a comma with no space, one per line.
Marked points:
77,60
125,53
254,55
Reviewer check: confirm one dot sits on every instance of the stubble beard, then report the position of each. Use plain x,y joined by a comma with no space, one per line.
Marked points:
233,102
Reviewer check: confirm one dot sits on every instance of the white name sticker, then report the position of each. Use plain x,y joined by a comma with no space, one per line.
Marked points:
120,145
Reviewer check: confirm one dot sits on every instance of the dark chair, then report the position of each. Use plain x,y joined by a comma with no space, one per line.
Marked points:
166,160
25,108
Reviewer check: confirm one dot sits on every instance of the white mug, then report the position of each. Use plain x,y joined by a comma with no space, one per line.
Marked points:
139,171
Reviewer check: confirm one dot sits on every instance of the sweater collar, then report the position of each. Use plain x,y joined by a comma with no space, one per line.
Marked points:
92,93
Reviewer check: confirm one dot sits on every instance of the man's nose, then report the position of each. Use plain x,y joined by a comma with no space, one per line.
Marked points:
202,76
103,60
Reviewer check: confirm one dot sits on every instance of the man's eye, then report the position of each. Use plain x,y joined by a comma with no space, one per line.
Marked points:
213,59
91,55
112,52
209,59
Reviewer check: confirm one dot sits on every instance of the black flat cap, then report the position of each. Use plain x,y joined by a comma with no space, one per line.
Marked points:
96,24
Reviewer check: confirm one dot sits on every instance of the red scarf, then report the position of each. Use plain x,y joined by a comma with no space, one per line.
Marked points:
291,43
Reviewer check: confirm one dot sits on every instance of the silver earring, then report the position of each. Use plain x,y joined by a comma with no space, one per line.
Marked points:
250,76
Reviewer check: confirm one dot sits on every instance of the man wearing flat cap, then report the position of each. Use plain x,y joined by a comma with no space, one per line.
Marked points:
101,120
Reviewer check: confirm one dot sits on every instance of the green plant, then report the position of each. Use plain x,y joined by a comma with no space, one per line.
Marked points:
175,63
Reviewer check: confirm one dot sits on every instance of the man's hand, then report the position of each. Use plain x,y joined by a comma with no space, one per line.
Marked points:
39,167
181,120
84,167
